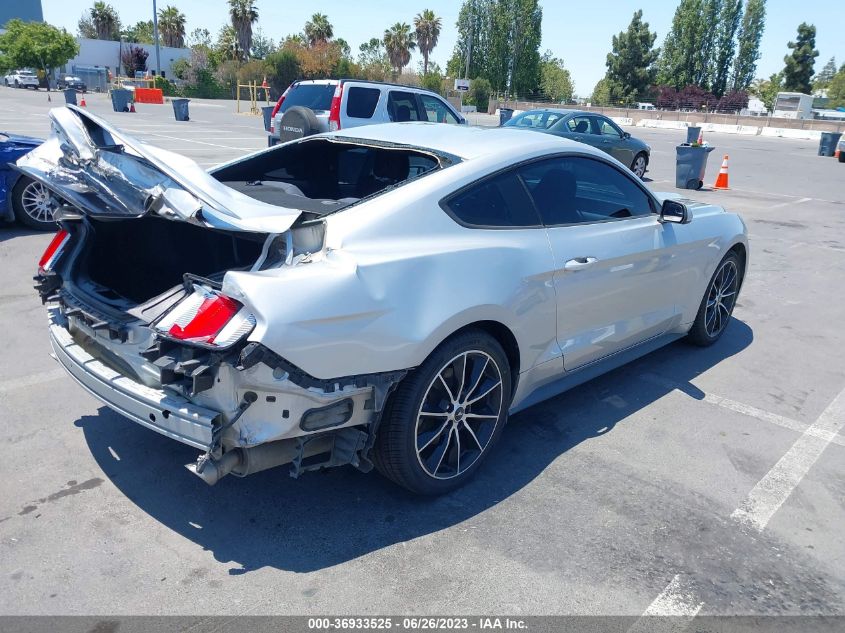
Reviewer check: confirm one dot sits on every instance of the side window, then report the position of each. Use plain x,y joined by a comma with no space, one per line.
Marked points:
578,190
579,125
402,106
500,201
606,128
436,111
361,102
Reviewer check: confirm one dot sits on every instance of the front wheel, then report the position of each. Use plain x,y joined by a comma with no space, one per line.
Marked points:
445,416
718,303
33,204
639,165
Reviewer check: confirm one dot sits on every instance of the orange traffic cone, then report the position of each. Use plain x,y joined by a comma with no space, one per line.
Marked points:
722,178
82,103
132,107
701,137
264,83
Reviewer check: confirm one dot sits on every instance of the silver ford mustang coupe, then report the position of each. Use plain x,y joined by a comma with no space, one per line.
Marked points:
383,296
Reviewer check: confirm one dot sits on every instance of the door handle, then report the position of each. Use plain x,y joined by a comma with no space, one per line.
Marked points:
579,263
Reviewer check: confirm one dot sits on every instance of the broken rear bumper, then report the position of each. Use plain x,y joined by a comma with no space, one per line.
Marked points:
155,409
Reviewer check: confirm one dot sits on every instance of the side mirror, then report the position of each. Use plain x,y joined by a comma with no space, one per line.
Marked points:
674,211
626,135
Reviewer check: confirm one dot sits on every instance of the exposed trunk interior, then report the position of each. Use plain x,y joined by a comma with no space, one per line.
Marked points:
127,262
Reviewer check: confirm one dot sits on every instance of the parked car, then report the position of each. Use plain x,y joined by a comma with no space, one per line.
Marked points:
840,149
590,128
323,105
22,197
383,295
21,79
69,81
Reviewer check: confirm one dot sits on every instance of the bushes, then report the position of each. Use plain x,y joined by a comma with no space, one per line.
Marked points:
479,94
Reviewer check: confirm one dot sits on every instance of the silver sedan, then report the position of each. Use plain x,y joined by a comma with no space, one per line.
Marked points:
384,296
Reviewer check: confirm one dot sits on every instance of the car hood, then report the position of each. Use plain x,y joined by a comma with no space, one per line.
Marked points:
106,173
21,141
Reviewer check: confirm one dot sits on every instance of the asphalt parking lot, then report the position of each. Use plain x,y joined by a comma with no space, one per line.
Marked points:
695,481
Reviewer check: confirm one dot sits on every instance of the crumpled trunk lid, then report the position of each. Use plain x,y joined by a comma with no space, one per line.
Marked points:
107,174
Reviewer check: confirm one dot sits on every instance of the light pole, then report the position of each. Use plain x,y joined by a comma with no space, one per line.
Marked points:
155,33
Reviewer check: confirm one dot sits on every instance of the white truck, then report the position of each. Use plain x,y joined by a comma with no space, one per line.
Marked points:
21,79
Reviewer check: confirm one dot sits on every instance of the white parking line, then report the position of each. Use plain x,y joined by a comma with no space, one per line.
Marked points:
677,602
772,490
790,204
34,379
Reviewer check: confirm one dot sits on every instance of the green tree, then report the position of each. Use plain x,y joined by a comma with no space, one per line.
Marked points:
685,52
399,42
373,61
825,75
836,89
555,80
479,94
140,33
433,79
318,29
631,64
106,21
284,69
85,27
243,14
36,45
171,26
199,37
601,93
748,44
427,29
474,25
261,45
798,72
767,90
729,21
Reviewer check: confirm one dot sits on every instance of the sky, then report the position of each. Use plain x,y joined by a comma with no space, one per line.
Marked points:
578,32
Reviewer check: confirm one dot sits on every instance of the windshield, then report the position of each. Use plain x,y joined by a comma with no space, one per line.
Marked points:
317,97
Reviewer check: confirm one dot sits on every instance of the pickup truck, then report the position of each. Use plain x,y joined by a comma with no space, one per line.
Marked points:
21,79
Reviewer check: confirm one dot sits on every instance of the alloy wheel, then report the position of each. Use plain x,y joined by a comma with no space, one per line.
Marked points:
458,414
721,299
639,166
35,201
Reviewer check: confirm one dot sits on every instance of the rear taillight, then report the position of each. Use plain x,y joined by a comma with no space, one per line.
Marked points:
207,317
278,106
53,252
334,111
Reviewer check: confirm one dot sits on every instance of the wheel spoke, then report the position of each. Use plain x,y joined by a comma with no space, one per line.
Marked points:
485,394
463,376
458,450
448,391
481,417
446,446
474,436
478,380
437,434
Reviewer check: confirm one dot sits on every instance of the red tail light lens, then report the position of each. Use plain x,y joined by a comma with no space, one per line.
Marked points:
53,252
278,106
207,317
334,111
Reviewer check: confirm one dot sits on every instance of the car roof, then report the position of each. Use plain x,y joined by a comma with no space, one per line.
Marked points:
560,111
348,80
466,142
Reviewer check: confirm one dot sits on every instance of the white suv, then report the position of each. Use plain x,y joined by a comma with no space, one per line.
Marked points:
21,79
325,105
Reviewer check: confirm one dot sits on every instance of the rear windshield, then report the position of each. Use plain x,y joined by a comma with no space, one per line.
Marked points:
314,96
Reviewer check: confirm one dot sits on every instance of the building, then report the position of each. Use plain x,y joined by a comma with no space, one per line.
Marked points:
26,10
793,105
98,59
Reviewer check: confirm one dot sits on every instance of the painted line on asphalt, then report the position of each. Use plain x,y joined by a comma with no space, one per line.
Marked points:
187,140
791,204
677,603
775,488
29,381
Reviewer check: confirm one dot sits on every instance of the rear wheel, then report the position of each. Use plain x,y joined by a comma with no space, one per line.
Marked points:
639,165
842,156
446,415
718,303
33,205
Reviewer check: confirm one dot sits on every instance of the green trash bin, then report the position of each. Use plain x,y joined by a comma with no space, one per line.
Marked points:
70,96
180,109
120,99
690,165
827,143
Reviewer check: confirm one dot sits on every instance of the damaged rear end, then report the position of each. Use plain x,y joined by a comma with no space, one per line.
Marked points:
142,315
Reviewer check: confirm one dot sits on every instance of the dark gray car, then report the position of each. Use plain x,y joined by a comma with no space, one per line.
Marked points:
590,128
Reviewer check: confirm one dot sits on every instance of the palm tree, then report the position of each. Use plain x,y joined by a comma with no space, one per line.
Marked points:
318,29
427,30
105,20
399,42
244,14
171,24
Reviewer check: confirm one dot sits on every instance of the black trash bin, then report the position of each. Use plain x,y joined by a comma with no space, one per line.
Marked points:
120,99
505,115
690,165
180,109
827,143
70,96
693,133
266,111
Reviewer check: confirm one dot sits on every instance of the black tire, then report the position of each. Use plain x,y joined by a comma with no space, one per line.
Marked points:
645,166
23,187
297,123
395,454
842,156
704,331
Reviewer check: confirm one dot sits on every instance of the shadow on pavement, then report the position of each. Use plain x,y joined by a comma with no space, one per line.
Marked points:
11,230
327,518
